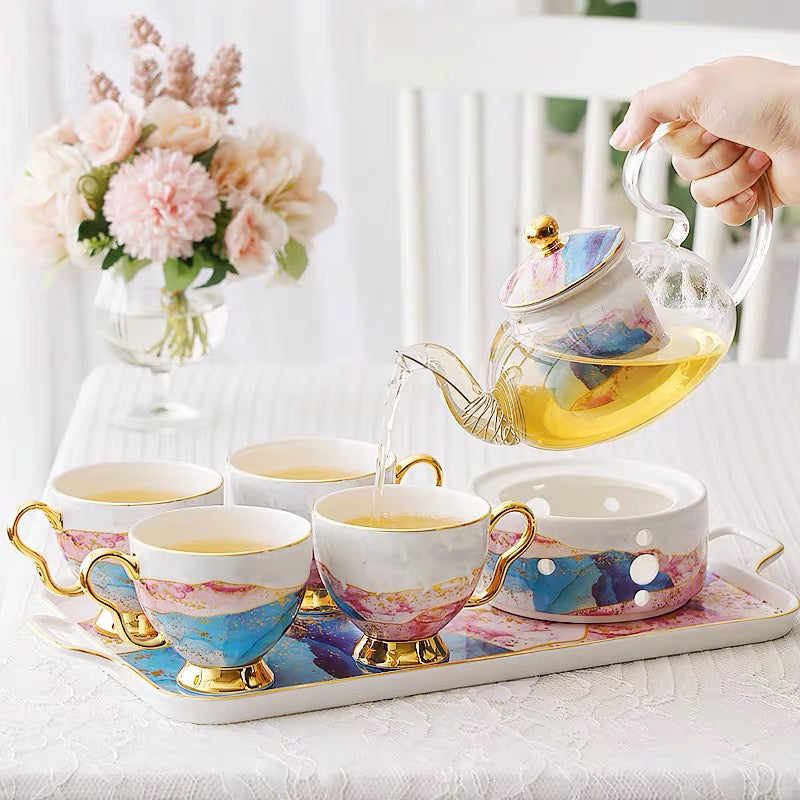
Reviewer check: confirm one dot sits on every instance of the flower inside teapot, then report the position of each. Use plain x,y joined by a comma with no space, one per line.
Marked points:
602,335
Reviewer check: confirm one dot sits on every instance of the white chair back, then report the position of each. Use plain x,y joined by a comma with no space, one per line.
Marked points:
604,60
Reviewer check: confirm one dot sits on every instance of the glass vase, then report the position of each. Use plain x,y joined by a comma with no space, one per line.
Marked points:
149,327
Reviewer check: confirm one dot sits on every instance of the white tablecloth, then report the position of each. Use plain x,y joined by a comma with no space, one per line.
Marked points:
724,723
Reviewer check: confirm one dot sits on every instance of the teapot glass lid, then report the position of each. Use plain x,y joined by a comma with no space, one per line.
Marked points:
559,261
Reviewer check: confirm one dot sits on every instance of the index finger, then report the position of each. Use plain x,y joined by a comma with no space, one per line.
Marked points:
663,102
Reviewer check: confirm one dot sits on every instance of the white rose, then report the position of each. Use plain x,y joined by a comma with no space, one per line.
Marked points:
61,133
181,127
49,206
36,231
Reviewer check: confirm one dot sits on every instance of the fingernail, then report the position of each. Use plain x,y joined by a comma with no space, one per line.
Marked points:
619,136
708,138
757,160
745,198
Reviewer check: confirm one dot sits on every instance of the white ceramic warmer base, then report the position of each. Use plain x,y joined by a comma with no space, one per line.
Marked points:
736,606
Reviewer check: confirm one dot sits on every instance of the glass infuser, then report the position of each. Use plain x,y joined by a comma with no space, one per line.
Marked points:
602,334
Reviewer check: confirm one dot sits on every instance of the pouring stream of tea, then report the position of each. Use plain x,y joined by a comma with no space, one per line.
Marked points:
398,378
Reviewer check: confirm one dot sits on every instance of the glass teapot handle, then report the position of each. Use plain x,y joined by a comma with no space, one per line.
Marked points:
762,232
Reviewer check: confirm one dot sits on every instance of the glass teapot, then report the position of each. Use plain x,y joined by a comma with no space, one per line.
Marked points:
602,335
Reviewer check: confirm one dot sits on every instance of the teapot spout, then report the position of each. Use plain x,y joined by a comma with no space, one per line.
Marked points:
493,417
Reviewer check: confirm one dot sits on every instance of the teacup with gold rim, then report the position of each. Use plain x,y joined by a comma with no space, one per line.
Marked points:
293,474
220,585
95,505
402,577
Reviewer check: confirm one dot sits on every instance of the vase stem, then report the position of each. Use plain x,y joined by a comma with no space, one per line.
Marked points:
160,386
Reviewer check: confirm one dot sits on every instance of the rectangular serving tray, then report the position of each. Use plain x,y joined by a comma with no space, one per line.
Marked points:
314,668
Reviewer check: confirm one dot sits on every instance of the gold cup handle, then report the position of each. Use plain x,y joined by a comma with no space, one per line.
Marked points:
510,555
56,521
421,458
128,563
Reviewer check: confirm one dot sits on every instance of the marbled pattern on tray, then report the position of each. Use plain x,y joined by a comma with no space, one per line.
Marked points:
319,648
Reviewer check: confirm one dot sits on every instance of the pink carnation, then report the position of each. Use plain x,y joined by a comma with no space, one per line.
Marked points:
159,204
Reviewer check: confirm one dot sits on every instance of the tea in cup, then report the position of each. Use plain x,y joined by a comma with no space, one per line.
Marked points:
94,506
293,474
220,585
402,577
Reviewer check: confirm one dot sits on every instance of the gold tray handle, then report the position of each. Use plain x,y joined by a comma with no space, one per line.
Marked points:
510,555
421,458
53,516
773,546
129,564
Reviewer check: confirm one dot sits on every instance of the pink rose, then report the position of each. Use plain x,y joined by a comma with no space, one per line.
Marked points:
109,132
253,236
181,127
231,167
307,218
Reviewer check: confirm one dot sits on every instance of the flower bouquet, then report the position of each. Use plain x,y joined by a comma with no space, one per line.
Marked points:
155,189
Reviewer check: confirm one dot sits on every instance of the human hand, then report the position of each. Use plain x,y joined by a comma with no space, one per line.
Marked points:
743,120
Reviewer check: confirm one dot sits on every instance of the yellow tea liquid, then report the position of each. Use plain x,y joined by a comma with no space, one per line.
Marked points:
574,401
405,522
219,544
310,474
132,496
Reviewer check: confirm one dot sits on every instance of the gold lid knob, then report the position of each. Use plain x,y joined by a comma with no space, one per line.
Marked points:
542,232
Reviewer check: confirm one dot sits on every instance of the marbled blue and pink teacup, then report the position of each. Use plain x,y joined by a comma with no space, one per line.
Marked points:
94,506
220,585
402,577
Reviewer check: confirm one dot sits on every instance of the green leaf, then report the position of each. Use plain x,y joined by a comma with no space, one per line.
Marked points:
565,114
147,130
293,258
217,276
94,184
129,267
603,8
112,256
90,228
205,157
178,274
205,257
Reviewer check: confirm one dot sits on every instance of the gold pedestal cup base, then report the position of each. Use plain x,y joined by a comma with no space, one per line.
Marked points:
136,623
317,601
222,680
378,654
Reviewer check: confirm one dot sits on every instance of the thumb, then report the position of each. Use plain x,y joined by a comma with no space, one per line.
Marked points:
663,102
